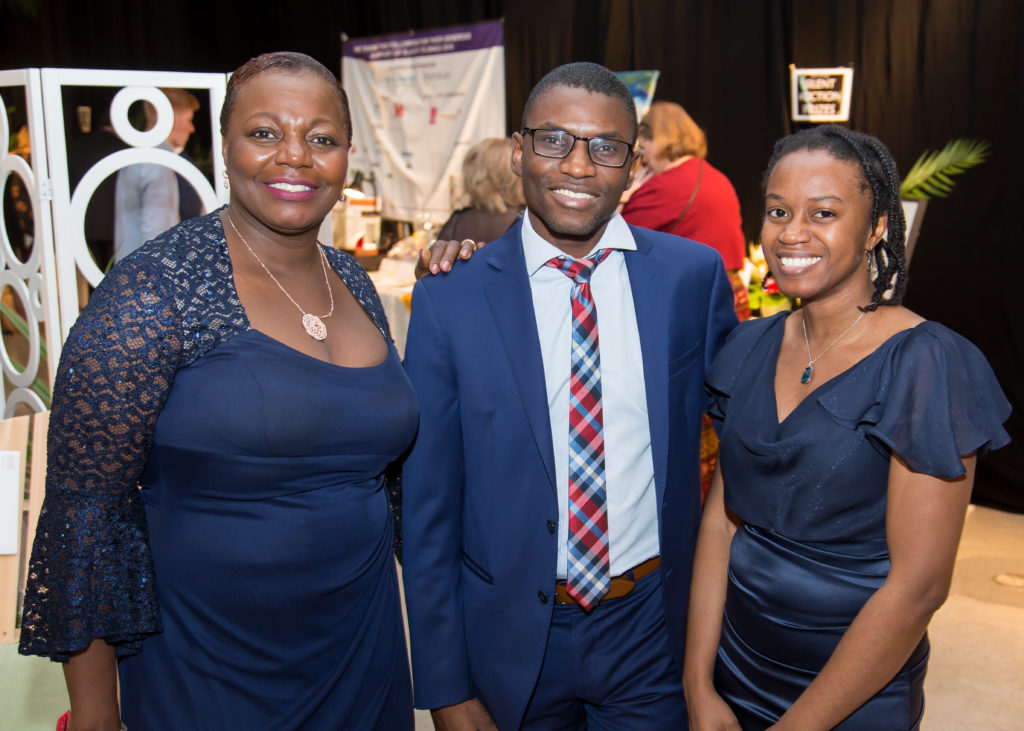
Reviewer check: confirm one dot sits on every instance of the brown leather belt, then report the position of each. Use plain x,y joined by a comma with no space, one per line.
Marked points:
621,585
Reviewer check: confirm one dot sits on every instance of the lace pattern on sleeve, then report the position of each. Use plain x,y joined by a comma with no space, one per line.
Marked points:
91,572
162,308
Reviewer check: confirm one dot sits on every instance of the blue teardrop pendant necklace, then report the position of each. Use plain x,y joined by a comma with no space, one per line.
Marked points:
809,370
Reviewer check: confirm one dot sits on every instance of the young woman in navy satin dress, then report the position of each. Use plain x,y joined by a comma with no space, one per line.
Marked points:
849,435
243,376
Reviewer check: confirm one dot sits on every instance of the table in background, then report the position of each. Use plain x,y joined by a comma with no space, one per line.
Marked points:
394,279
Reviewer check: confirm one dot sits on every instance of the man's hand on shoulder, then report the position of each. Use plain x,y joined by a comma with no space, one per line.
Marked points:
466,716
440,256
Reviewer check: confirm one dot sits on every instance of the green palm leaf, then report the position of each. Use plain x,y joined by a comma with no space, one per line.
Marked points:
930,177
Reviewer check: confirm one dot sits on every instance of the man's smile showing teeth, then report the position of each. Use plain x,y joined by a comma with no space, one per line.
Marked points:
578,195
796,262
291,187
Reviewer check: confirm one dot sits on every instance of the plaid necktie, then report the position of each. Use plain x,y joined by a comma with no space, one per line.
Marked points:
588,574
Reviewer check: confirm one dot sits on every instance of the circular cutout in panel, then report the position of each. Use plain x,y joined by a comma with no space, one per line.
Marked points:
23,402
108,166
19,355
20,260
17,234
123,126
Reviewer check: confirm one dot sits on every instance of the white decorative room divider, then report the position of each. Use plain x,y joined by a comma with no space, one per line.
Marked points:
47,282
32,281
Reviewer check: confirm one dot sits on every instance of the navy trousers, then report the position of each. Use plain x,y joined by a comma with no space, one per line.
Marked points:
611,669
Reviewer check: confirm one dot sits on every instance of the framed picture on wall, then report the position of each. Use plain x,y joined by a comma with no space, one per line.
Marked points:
820,95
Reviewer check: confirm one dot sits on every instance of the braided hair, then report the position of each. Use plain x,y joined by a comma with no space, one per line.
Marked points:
888,258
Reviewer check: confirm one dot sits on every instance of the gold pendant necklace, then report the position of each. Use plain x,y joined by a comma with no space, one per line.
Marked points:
312,324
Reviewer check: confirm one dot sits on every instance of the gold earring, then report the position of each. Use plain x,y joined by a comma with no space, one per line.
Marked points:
226,183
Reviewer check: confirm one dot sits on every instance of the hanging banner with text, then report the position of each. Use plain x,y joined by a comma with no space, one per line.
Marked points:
821,95
419,102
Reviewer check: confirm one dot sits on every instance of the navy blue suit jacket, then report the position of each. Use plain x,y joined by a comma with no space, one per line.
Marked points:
479,484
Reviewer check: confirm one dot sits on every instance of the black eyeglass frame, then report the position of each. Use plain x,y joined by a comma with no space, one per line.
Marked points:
631,147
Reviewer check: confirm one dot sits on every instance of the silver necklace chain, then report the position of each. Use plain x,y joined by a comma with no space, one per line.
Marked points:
809,370
310,322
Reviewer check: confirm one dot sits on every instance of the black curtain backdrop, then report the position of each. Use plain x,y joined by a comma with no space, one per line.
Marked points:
926,71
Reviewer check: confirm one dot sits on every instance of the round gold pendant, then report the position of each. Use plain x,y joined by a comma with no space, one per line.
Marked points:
314,326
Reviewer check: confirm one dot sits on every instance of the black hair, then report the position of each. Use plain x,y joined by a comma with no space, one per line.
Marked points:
289,62
583,75
881,178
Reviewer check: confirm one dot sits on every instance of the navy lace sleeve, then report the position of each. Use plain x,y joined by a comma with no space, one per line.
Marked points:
170,302
91,573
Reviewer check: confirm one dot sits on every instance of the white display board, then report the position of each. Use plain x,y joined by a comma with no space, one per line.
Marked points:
419,102
11,488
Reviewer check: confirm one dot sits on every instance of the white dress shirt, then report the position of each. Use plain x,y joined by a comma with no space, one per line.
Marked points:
629,468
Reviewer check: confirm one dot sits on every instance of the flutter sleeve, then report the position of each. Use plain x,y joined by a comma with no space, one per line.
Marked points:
937,399
730,362
91,572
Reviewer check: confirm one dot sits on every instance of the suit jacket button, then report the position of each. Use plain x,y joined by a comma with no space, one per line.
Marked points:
543,596
552,527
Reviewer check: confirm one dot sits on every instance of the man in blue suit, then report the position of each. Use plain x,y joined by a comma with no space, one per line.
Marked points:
552,497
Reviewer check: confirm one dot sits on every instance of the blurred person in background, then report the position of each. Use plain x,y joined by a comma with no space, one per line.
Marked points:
147,201
679,192
495,194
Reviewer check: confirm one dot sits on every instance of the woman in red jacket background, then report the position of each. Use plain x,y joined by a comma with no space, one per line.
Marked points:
679,192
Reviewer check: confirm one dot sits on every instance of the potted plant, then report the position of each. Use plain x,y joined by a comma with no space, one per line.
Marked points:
931,177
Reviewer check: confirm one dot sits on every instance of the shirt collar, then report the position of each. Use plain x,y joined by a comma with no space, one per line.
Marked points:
538,250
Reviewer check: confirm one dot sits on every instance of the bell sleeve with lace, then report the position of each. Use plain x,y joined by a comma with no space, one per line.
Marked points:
91,572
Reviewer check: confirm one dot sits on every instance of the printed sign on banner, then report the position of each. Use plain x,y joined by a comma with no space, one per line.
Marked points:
821,95
419,101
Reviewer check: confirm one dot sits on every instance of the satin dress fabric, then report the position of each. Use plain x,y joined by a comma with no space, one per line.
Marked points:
272,544
811,492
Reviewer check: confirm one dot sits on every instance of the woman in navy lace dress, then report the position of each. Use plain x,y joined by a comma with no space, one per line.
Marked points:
849,435
215,516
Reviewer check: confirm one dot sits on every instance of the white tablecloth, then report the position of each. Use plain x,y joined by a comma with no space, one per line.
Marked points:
394,281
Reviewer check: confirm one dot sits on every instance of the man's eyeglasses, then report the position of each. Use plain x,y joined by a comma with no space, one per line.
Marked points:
558,143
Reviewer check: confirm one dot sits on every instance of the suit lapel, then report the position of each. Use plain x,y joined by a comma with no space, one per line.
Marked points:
511,301
650,299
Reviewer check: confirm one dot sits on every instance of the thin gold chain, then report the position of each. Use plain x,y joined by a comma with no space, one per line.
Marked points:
323,263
